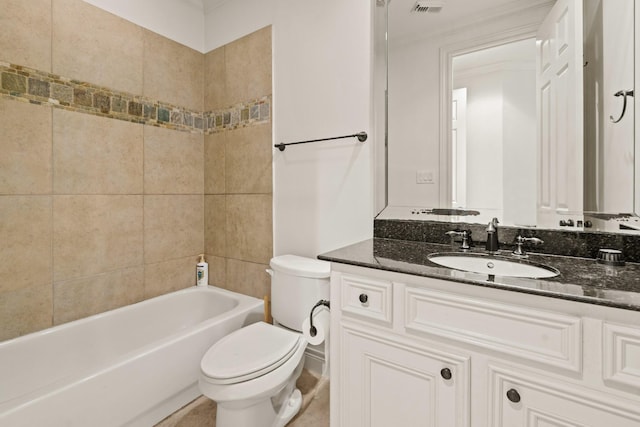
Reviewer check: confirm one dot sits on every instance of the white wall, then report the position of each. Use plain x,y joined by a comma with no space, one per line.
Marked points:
181,21
322,88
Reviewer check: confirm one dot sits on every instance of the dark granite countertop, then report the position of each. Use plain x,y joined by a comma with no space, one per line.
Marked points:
580,279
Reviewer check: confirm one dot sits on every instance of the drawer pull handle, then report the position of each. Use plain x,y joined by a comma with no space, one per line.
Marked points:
446,373
513,395
363,298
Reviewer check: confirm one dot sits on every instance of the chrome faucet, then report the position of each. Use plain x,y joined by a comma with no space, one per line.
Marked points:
466,238
492,236
518,251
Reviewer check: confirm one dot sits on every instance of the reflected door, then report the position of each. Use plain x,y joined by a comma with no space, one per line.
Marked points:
560,112
459,148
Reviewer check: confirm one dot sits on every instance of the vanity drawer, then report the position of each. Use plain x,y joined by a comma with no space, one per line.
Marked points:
545,337
366,297
621,356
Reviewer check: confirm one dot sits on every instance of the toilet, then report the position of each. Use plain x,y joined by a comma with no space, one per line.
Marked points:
251,373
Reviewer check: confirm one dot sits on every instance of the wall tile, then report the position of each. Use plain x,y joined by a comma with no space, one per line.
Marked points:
173,162
217,270
96,155
25,148
29,24
214,77
96,234
248,160
214,163
248,67
25,242
75,299
169,276
173,73
25,310
215,225
173,227
248,278
95,46
249,227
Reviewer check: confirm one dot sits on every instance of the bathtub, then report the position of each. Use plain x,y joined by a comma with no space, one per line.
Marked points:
132,366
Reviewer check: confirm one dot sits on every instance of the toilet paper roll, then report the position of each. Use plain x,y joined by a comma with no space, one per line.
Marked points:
321,323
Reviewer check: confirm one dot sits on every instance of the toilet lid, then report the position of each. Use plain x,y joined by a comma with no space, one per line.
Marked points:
248,353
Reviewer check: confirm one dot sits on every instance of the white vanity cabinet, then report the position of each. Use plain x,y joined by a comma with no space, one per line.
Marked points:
414,351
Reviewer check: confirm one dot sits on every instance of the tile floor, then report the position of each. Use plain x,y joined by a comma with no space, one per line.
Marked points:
314,413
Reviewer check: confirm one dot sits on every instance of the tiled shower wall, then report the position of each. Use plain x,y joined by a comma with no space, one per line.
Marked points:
105,205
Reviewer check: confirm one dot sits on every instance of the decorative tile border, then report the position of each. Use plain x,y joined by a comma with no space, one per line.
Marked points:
39,87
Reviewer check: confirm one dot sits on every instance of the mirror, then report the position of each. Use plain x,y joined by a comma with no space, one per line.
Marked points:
475,131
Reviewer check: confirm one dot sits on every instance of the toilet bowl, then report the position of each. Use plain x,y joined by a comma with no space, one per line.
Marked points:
251,373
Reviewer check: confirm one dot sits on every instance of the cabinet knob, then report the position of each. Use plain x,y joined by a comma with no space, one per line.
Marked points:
446,373
513,395
363,298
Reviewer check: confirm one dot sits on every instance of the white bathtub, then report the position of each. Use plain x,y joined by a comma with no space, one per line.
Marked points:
131,366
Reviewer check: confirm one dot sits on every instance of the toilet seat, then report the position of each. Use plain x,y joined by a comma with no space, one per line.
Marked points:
248,353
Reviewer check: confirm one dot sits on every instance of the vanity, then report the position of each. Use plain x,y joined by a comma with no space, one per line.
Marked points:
471,124
417,344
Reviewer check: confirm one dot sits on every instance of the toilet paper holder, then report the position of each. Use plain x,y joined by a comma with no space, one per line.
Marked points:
312,329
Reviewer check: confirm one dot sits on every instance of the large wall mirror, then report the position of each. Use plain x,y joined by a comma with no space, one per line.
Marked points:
518,109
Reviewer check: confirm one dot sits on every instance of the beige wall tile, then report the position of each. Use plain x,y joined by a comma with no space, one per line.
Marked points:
95,46
214,163
25,148
25,310
25,242
215,225
96,155
169,276
29,25
217,270
248,160
248,278
214,80
96,234
75,299
249,228
173,73
173,227
173,162
248,67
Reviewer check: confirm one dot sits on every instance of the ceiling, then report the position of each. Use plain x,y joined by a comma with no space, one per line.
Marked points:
404,23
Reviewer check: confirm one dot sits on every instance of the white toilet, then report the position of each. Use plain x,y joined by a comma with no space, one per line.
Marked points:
252,372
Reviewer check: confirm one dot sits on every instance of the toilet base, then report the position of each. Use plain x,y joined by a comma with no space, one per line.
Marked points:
261,414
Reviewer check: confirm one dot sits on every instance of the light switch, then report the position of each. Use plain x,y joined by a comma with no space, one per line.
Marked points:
425,176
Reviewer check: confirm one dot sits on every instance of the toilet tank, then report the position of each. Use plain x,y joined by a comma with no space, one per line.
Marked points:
297,283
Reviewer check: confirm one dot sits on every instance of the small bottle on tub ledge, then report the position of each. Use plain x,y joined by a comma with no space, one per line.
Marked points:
202,272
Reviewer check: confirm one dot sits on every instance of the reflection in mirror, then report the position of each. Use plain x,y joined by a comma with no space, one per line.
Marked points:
474,125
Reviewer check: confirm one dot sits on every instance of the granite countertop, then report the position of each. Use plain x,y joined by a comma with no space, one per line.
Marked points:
580,279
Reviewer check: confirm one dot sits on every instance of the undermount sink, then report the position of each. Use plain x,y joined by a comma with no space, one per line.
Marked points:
497,266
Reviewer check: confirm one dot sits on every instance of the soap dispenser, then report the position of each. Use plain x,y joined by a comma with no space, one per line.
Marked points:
202,272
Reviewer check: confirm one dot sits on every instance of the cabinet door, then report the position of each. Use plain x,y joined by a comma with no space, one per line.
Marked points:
387,382
533,401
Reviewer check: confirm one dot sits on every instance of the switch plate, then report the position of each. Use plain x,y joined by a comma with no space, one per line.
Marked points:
425,176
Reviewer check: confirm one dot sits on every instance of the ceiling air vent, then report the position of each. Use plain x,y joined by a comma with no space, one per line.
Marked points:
422,6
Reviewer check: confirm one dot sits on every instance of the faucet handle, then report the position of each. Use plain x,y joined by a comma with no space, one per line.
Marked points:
518,251
465,234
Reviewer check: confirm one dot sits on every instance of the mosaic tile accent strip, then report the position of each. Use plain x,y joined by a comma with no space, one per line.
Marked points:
39,87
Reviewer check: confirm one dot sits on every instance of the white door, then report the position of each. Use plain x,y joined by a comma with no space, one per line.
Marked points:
385,383
535,401
459,148
560,112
